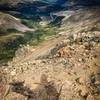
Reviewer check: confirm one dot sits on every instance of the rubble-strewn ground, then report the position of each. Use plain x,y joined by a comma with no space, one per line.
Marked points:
71,61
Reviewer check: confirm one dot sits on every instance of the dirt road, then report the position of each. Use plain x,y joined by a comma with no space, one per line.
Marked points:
44,48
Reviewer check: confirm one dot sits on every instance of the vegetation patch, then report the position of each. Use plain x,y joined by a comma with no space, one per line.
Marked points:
12,40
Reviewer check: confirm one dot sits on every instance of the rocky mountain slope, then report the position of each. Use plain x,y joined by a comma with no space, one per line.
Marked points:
70,60
66,66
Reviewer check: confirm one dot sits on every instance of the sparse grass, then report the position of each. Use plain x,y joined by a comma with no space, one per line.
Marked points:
8,37
29,23
11,41
41,34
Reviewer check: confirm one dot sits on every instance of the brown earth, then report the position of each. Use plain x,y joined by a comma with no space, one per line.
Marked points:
68,61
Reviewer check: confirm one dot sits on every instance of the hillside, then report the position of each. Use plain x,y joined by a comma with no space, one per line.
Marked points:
69,59
10,22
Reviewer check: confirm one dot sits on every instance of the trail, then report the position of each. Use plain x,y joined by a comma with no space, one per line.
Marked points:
44,48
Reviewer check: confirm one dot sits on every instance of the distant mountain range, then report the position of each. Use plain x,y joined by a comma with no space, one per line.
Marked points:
60,2
37,9
39,3
43,6
31,9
